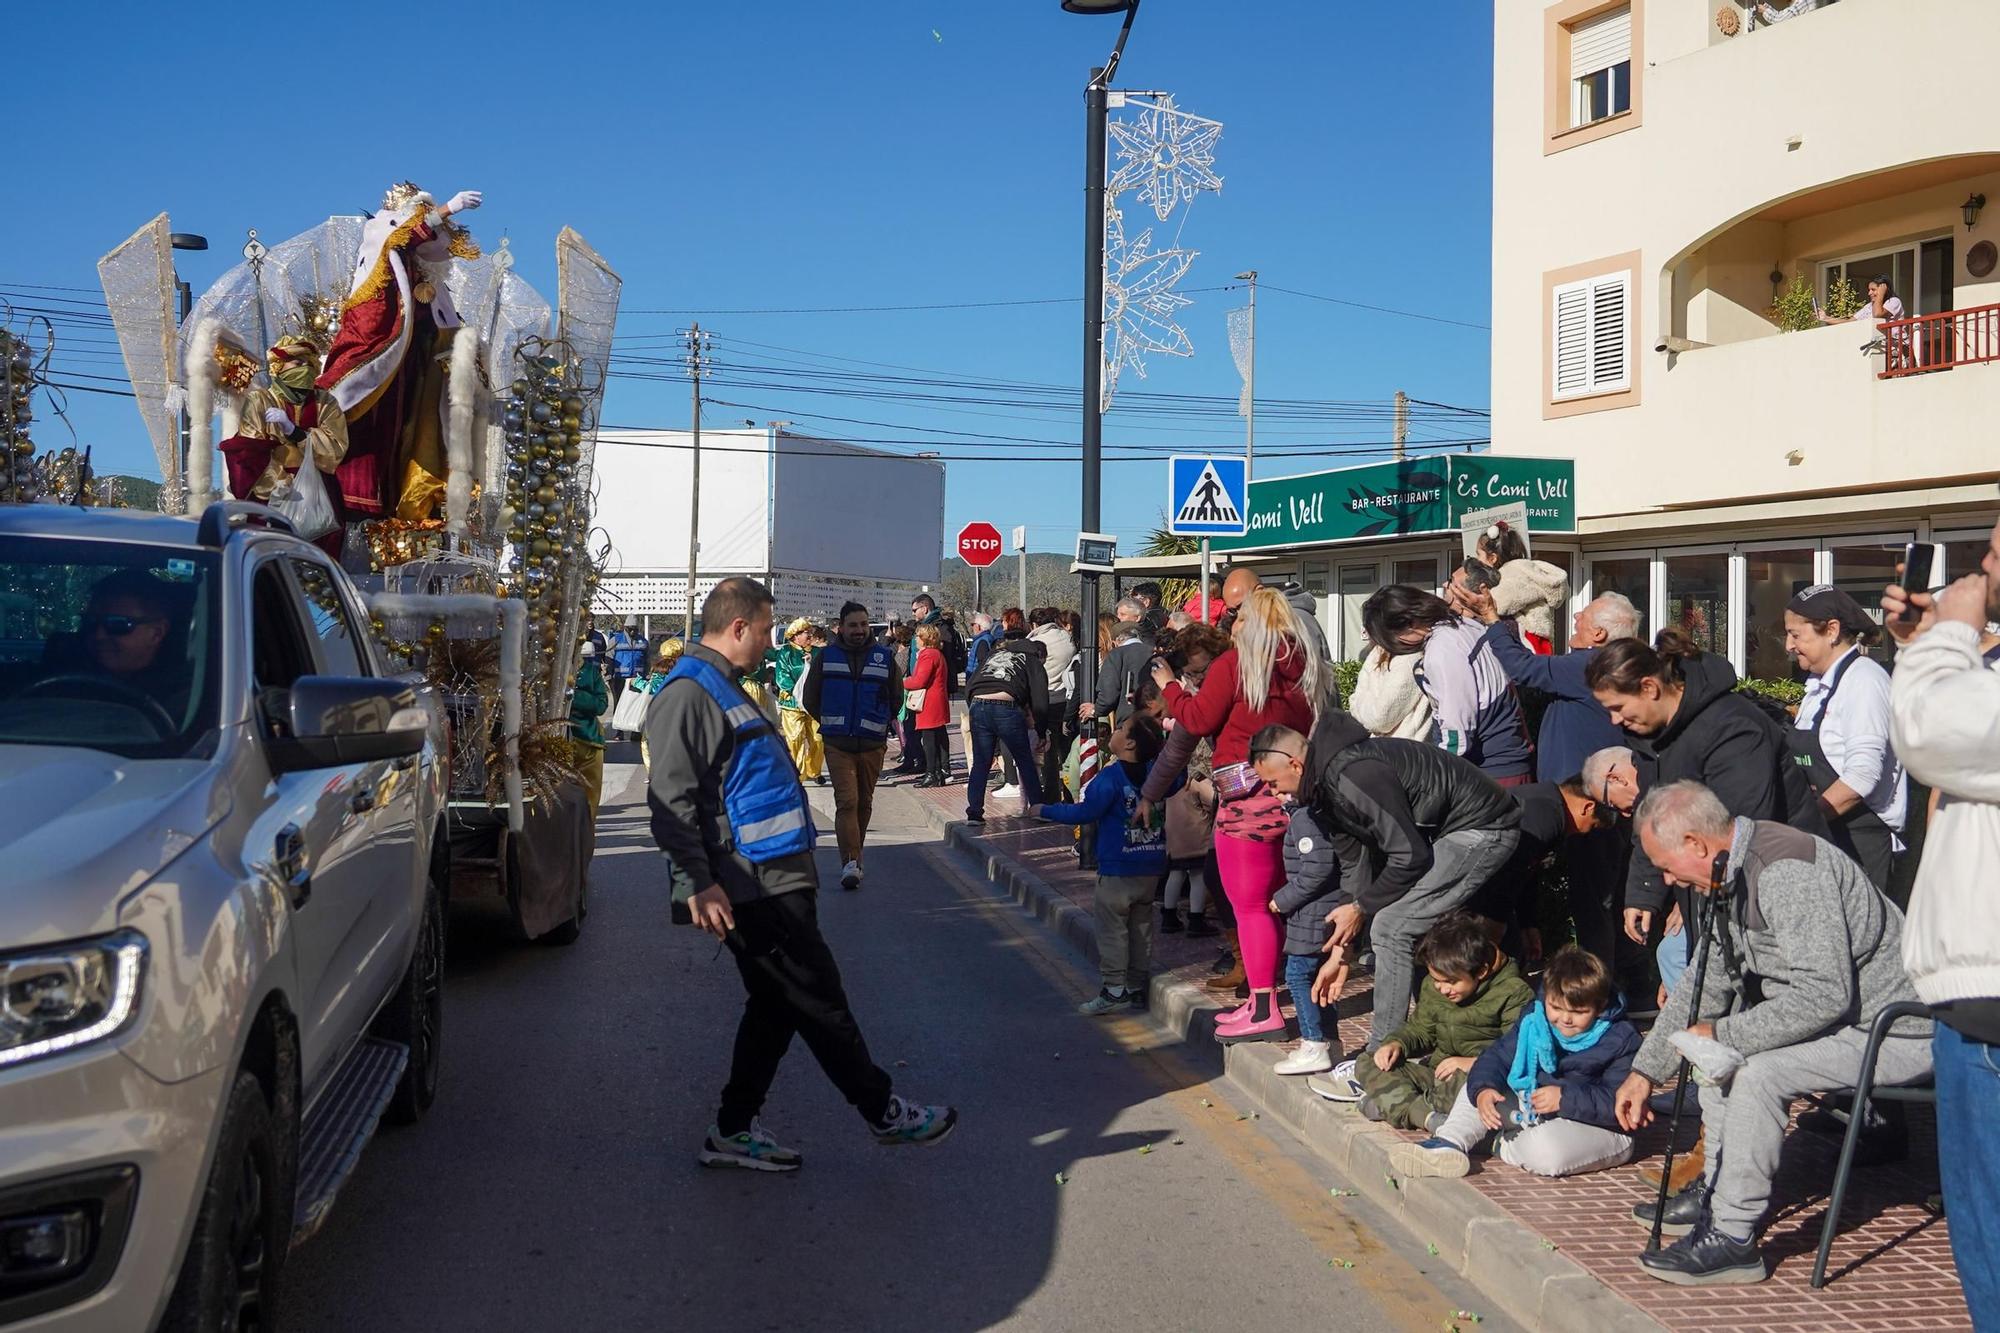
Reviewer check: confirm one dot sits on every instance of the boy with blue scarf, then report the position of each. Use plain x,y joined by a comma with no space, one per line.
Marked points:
1547,1088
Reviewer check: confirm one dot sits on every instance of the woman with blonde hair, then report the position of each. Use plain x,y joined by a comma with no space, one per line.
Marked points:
1270,675
664,657
927,693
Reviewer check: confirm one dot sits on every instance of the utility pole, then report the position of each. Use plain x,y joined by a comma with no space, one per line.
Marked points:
697,366
1249,390
1402,423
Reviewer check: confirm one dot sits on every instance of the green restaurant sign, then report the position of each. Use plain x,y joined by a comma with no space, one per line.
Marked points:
1421,495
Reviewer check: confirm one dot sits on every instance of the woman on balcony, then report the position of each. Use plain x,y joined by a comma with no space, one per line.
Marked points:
1882,304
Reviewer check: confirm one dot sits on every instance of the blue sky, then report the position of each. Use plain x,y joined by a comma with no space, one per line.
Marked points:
752,157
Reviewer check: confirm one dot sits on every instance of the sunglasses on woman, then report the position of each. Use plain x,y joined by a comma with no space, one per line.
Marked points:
116,627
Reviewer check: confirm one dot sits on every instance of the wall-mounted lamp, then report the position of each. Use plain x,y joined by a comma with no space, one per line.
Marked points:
1971,207
1777,277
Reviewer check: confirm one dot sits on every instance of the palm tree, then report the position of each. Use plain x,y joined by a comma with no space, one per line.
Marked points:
1174,593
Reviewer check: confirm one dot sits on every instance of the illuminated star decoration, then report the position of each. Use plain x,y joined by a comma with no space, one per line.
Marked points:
1167,155
1139,301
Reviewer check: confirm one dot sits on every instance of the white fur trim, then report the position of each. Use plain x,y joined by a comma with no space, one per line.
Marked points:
462,392
1532,591
202,376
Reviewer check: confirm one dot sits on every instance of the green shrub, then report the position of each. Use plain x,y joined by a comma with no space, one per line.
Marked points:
1345,674
1786,692
1793,310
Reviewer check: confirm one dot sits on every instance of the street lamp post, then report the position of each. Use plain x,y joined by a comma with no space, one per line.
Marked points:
1095,103
184,240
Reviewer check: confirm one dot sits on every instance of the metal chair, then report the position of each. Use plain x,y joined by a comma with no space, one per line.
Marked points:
1864,1091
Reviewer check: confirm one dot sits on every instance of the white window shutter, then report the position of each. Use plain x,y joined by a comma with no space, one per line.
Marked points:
1572,339
1601,42
1610,345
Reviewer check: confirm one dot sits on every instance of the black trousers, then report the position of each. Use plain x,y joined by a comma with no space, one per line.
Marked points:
1597,862
937,753
794,987
1050,724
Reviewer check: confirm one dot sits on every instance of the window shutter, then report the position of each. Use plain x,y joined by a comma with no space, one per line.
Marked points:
1610,348
1572,350
1601,42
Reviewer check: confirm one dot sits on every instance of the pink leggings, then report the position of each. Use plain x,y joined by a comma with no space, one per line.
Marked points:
1251,873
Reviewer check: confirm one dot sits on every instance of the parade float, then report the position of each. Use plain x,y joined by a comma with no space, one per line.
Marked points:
419,411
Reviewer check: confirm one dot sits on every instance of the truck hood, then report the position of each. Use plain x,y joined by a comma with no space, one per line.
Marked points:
81,829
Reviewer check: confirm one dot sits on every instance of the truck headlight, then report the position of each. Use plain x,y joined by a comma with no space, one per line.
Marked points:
62,996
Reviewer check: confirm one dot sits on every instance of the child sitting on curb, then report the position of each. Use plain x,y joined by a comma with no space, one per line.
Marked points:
1471,993
1131,855
1547,1088
1311,890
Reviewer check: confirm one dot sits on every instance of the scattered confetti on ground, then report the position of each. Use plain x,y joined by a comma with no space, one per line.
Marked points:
1433,1250
1206,1102
1340,1263
1145,1148
1061,1179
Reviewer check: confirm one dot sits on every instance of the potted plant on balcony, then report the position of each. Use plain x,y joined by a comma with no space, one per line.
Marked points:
1794,308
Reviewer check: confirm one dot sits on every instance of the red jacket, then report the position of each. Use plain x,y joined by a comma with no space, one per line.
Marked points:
1219,710
1216,608
929,674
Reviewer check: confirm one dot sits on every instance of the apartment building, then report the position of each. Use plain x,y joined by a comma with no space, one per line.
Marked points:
1663,172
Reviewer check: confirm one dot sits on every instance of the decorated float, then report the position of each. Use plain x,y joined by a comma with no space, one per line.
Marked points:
418,410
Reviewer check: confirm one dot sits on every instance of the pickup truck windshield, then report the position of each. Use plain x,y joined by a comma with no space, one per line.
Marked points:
108,645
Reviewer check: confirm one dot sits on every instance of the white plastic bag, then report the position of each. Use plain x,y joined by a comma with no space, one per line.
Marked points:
304,502
630,715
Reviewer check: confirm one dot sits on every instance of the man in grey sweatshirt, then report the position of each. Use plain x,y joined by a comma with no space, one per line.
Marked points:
1804,953
732,817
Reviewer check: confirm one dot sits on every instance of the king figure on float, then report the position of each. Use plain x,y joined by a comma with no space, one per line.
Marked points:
285,427
387,368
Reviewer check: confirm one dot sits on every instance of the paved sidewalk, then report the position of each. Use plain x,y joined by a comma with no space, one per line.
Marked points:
1536,1243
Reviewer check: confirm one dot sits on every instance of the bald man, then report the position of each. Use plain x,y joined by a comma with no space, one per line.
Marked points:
1242,582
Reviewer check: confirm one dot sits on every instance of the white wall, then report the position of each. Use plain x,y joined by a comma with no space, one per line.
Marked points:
642,481
843,510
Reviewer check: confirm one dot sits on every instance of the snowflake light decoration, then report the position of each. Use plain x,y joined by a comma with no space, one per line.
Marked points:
1166,155
1140,301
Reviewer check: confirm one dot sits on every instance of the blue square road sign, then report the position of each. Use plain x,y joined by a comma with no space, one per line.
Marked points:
1206,496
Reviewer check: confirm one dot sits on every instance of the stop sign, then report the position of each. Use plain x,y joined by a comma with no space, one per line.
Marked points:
979,544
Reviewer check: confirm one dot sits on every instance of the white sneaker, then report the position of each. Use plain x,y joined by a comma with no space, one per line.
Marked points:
1312,1057
1007,793
1338,1086
850,876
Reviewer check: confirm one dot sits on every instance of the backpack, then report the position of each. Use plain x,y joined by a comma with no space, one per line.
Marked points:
952,645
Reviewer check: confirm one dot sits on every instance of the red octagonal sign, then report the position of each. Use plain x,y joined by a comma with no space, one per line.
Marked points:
979,544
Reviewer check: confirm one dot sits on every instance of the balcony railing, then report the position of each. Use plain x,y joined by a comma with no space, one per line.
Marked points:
1941,341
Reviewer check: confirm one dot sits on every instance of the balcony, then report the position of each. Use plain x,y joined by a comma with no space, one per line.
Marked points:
1940,342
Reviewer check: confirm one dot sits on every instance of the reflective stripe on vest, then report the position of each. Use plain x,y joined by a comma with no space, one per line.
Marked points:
855,703
761,794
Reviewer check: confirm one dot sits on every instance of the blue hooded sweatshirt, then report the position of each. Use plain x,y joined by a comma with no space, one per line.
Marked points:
1124,846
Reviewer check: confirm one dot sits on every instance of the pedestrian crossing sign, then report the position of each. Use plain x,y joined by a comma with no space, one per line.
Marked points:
1206,496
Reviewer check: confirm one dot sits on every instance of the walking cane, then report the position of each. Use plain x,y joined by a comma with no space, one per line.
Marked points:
1705,919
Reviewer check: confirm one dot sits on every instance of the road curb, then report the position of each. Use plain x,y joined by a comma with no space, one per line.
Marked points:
1535,1285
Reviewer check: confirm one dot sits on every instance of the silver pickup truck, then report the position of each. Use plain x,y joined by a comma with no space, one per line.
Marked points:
222,895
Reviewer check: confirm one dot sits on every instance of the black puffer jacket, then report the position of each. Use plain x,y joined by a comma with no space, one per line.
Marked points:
1388,800
1723,740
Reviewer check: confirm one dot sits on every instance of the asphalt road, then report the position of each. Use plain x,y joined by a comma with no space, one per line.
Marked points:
554,1185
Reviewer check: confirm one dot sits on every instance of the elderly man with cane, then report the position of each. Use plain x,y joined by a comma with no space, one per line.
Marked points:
1809,953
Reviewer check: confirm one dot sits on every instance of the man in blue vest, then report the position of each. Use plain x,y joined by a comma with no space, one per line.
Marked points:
855,691
731,815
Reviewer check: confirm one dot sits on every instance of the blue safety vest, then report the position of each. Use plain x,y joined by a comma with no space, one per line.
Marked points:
851,704
768,814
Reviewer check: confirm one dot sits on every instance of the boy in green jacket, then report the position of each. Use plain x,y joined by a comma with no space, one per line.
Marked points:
590,700
1471,995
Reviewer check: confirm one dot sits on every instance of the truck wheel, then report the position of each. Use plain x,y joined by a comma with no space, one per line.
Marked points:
415,1018
230,1278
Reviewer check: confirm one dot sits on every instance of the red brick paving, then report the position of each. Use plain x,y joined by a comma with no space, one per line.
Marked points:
1891,1268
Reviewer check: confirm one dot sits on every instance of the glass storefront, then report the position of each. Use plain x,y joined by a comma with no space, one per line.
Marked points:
1630,575
1421,572
1863,568
1770,578
1698,599
1356,583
